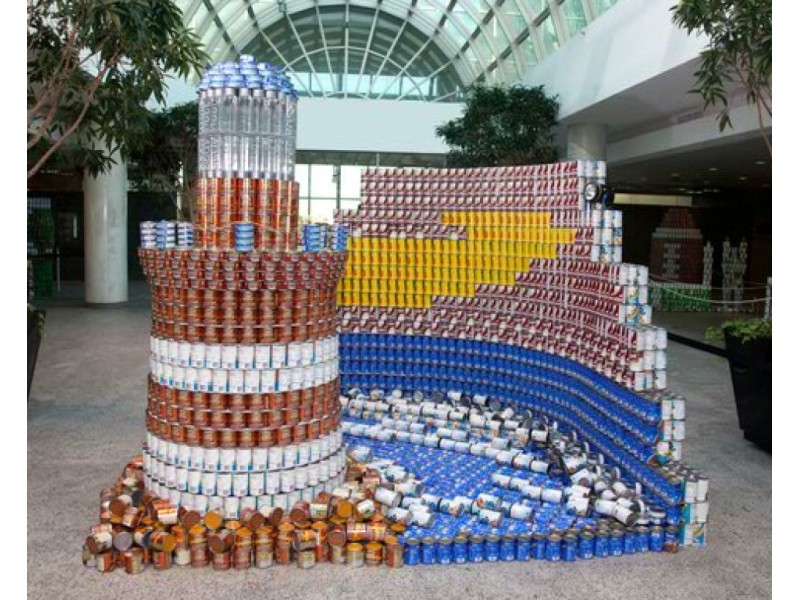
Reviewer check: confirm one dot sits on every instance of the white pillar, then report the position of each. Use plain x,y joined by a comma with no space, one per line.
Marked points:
586,141
105,234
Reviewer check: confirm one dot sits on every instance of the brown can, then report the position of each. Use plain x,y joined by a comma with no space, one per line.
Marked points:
373,556
134,561
220,541
162,560
221,561
393,554
106,561
283,551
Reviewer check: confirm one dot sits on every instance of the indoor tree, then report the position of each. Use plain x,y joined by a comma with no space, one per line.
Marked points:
92,65
738,57
503,126
166,160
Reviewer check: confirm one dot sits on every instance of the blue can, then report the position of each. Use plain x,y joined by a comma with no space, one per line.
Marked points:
673,514
657,537
428,551
601,544
411,555
476,549
671,536
491,550
460,551
539,546
586,545
643,539
553,548
524,546
508,548
569,548
616,543
444,552
631,540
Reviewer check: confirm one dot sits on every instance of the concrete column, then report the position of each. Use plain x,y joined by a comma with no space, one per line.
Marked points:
586,141
105,234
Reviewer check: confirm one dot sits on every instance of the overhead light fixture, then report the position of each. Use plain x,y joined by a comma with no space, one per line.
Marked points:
712,169
676,175
598,193
761,162
743,178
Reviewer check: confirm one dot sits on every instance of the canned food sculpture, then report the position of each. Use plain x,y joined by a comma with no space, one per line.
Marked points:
504,283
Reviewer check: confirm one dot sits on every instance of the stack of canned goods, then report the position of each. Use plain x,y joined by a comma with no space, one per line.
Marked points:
321,236
343,524
165,235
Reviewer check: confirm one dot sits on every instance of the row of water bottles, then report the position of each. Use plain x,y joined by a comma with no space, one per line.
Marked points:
247,121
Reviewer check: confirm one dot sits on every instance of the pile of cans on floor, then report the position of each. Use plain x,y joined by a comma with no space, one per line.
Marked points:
495,470
346,526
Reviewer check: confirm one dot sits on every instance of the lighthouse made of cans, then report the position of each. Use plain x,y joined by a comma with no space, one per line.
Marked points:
243,390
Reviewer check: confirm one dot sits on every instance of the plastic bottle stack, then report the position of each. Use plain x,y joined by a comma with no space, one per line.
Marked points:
246,150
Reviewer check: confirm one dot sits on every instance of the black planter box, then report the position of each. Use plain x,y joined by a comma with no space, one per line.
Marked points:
751,372
34,340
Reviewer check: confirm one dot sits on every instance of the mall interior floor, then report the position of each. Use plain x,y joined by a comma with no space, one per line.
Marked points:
86,420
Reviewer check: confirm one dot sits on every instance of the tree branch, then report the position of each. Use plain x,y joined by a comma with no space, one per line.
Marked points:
763,130
78,120
59,79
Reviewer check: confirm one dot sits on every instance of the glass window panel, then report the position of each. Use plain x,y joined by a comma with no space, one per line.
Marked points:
351,182
350,204
529,50
301,177
321,209
549,36
322,183
479,7
602,6
464,17
451,30
494,29
514,17
573,16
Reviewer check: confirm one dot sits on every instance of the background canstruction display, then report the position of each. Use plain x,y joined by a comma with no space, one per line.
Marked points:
502,392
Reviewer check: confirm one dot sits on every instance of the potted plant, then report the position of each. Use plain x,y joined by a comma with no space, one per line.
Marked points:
36,319
749,347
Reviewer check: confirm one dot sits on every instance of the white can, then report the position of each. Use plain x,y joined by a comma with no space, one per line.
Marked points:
214,356
246,357
679,409
287,480
240,484
172,453
201,504
293,355
209,483
228,356
281,501
314,451
190,379
227,459
179,376
198,355
168,377
196,458
387,497
185,354
297,378
273,482
169,476
301,478
216,504
678,430
263,356
260,459
279,356
275,458
313,474
303,453
244,459
204,380
252,381
193,482
552,495
173,352
268,381
211,459
184,456
231,508
224,484
219,381
236,381
290,456
181,479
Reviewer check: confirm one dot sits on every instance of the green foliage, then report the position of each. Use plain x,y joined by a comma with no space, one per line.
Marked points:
92,65
503,126
42,230
167,159
36,318
744,329
739,54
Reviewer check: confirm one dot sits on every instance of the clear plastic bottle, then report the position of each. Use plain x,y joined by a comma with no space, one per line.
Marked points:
290,135
254,128
213,145
228,124
270,128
